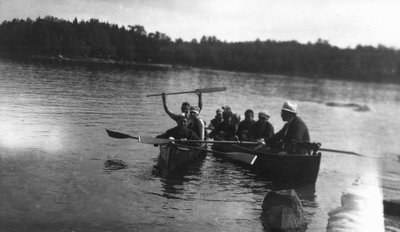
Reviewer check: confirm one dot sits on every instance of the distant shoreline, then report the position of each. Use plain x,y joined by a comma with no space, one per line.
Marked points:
110,61
86,60
93,60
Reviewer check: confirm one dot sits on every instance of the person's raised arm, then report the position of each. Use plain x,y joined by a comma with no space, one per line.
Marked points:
200,103
201,129
170,113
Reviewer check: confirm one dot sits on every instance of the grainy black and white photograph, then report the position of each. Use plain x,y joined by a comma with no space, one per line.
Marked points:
199,115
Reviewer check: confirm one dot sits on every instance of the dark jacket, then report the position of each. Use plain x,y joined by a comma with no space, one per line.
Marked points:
244,128
293,131
225,130
214,122
260,130
178,133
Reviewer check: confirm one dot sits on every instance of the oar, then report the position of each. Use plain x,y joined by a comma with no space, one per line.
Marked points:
316,147
119,135
141,139
150,140
344,152
205,90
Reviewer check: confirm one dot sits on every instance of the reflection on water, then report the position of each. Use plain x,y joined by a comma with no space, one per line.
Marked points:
53,147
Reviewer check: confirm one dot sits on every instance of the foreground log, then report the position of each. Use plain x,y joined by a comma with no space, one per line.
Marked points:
282,211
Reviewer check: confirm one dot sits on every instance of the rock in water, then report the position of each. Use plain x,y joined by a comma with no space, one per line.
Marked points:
282,211
114,164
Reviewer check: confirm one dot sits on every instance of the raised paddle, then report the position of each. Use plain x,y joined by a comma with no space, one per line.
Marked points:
205,90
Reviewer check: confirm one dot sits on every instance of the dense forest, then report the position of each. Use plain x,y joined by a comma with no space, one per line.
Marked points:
55,37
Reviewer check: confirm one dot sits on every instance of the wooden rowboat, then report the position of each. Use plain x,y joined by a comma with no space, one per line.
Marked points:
292,169
175,155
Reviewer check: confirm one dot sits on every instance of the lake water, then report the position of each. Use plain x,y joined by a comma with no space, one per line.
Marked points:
53,146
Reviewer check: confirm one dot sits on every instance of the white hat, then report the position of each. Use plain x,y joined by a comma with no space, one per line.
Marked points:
195,109
263,114
290,106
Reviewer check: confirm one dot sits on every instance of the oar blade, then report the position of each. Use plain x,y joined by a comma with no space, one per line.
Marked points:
204,90
118,135
211,90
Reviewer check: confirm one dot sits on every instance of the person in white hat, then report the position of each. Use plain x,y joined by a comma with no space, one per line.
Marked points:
196,123
295,130
262,129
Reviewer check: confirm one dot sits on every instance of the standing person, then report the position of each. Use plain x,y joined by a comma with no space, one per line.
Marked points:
216,120
181,131
262,129
184,108
295,130
196,123
245,125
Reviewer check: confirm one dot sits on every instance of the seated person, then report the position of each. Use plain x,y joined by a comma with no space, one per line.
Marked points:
262,129
245,125
196,124
181,131
295,130
216,120
226,129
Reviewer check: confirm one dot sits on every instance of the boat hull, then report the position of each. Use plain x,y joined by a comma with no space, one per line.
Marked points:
174,156
292,169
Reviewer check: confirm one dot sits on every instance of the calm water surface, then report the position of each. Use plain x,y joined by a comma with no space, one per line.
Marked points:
53,146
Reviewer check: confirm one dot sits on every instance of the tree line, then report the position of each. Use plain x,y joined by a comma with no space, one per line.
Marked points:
50,36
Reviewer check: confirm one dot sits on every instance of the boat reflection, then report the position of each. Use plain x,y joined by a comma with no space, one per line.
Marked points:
173,181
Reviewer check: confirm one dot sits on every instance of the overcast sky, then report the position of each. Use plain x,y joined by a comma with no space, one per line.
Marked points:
344,23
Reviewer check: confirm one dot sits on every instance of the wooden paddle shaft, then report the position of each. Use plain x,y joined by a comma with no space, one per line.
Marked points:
205,90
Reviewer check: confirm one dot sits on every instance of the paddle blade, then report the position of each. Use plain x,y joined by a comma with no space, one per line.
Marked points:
204,90
117,135
211,90
150,140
